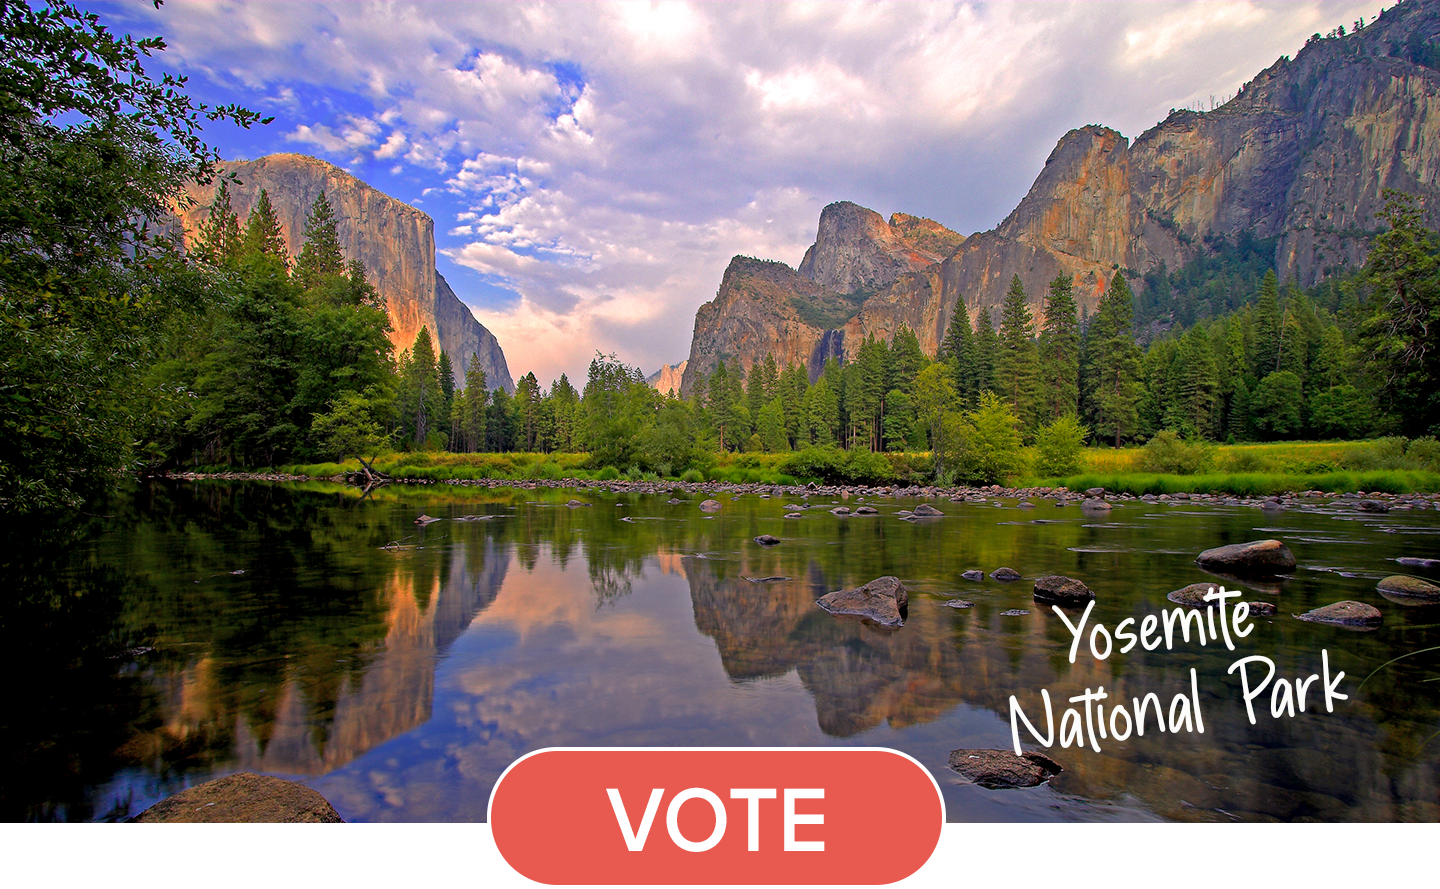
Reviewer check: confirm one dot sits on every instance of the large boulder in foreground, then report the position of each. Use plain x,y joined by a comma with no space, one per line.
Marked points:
1002,770
1355,615
246,798
1402,589
1061,590
1242,559
880,600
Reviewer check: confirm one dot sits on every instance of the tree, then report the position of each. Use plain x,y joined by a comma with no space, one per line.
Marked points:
1399,331
935,404
420,399
959,350
1017,364
619,408
1060,352
472,416
321,256
1277,406
1267,324
1114,387
218,240
91,147
991,449
262,232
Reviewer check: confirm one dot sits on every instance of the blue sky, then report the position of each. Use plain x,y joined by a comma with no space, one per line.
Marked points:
591,168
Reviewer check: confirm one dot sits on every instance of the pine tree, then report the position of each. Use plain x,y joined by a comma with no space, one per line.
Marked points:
262,232
1060,352
472,421
567,414
1017,364
419,389
321,256
1266,322
959,350
987,351
218,239
1115,385
445,378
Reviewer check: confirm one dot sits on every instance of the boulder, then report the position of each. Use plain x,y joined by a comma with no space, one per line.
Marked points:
1014,612
866,510
1345,614
841,510
1194,595
973,574
926,509
1003,770
767,540
244,798
1094,492
959,603
1006,574
1095,505
1261,609
1372,506
425,519
1061,590
1402,589
574,503
710,506
794,515
1025,504
1241,559
880,600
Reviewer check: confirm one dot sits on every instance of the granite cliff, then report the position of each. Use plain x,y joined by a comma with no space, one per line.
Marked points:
1302,154
395,241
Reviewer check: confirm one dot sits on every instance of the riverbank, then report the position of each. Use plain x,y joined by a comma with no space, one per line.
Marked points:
1040,495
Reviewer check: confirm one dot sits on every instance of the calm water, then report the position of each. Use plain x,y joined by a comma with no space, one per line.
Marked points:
190,631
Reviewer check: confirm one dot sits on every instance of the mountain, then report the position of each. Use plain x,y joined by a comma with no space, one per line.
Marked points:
1302,154
395,241
667,379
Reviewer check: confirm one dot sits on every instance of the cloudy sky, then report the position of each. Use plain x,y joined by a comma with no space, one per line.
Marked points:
591,168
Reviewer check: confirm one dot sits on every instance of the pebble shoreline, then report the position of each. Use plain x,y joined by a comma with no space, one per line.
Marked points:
1367,502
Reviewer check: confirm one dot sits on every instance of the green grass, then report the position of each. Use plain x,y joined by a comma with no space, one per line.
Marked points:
1254,484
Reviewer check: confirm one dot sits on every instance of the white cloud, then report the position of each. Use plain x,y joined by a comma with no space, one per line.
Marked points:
604,161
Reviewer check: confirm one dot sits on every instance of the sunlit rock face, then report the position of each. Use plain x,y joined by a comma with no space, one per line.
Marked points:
1303,154
668,378
395,241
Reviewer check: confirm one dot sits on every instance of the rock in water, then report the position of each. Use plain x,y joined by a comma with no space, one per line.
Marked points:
973,574
959,603
794,515
841,510
767,540
925,509
1061,590
1372,506
1003,770
1257,557
1419,563
866,510
710,506
425,519
244,798
879,600
1096,505
1194,595
576,503
1402,589
1260,609
1005,574
1345,614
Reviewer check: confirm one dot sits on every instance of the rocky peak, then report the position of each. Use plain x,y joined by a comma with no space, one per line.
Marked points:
668,379
925,236
855,250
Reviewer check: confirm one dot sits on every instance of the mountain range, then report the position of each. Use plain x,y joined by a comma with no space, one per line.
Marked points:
1302,154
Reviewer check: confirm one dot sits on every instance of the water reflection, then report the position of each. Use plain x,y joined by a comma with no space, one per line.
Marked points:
399,670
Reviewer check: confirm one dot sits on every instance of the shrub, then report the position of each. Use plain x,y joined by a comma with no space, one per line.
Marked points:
1168,452
1059,445
1425,452
692,476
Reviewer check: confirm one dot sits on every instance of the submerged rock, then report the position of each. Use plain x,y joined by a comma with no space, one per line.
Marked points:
244,798
1345,614
973,574
1061,590
1256,557
1005,574
710,506
1402,589
1409,562
425,519
959,603
1003,770
879,600
767,540
794,515
1014,612
1260,609
574,503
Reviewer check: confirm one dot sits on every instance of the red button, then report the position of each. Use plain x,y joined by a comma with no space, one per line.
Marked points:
716,815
